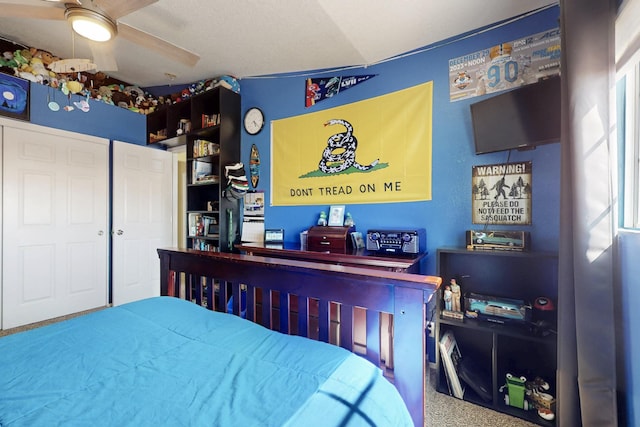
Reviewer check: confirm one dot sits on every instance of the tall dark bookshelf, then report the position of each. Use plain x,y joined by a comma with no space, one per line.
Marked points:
212,120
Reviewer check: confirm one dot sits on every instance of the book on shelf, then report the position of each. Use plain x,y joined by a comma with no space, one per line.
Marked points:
202,225
196,225
204,245
202,148
210,120
451,357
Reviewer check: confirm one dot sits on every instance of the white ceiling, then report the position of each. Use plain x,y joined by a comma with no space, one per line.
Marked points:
257,37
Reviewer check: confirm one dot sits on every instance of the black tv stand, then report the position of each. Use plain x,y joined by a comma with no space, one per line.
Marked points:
500,348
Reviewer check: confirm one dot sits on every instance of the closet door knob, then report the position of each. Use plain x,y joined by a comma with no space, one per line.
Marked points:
100,233
119,232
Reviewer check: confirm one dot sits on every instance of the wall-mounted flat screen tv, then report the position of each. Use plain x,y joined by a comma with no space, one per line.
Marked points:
521,118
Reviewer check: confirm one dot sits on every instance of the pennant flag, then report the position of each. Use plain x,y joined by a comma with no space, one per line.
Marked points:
320,89
372,151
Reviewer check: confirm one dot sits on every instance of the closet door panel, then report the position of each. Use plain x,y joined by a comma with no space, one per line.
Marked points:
55,206
142,219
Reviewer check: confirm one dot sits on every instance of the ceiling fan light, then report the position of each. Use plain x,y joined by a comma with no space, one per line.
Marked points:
91,24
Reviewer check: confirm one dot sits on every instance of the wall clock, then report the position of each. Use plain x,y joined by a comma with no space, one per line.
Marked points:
253,120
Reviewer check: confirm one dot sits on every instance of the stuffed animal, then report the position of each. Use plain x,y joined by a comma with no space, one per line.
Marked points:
229,82
7,60
74,86
63,78
54,82
164,101
145,106
175,98
105,94
46,57
22,57
98,79
39,71
199,87
121,99
133,91
185,94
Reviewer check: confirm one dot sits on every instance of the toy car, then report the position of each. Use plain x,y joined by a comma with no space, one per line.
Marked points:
495,238
495,307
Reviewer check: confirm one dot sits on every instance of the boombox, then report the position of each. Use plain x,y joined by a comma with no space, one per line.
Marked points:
397,241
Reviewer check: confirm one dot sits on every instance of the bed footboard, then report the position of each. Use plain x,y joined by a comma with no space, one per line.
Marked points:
314,300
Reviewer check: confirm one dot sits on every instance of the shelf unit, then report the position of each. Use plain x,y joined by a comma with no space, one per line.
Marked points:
209,125
494,348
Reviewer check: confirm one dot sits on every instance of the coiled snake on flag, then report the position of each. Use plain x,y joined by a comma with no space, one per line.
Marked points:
345,159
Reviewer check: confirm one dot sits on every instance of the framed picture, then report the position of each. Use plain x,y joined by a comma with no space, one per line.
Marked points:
14,97
336,215
357,240
274,238
274,235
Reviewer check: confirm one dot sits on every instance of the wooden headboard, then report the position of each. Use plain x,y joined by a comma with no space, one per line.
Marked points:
306,284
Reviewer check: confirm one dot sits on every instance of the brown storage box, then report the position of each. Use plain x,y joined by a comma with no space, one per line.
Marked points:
330,239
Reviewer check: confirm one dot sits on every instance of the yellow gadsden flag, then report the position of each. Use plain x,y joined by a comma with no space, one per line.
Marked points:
373,151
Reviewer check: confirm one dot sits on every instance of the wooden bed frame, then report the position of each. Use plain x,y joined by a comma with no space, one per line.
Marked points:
307,284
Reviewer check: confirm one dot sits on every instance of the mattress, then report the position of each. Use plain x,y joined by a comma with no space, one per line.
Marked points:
167,362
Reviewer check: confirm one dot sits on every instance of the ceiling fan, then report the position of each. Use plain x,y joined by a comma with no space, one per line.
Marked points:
102,15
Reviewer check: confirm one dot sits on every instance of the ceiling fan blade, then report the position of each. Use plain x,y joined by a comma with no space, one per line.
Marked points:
160,46
13,10
119,8
103,56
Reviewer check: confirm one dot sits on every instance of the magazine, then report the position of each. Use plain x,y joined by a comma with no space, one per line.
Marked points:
451,357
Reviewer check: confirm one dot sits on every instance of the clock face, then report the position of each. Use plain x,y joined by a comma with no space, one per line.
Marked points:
253,121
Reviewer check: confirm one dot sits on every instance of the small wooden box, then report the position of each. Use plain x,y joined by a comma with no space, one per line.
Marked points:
330,239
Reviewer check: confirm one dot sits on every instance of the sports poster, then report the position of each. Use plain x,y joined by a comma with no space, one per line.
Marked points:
320,89
501,194
372,151
505,65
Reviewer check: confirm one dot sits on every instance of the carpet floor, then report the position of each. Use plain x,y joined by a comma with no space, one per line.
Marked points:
444,410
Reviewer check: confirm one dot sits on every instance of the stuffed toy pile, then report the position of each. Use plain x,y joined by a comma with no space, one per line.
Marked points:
35,65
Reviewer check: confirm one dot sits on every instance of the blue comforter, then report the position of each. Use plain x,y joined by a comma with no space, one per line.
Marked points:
167,362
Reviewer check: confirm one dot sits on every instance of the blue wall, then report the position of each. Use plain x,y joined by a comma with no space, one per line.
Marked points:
103,120
448,214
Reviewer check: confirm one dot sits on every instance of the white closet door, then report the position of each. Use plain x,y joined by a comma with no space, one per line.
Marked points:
142,219
55,236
